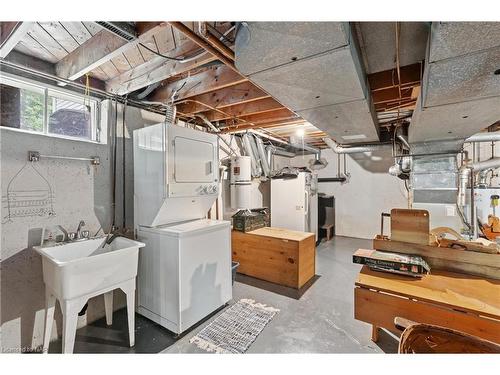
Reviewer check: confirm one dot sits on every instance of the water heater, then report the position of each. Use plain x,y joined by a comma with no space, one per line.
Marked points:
241,182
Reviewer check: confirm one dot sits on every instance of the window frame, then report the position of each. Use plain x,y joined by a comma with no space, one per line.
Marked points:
96,125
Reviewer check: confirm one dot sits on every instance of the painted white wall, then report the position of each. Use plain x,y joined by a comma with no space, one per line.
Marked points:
81,191
359,202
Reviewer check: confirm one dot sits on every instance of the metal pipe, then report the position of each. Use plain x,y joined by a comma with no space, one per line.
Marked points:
403,140
280,152
485,164
338,149
484,137
305,147
332,179
216,130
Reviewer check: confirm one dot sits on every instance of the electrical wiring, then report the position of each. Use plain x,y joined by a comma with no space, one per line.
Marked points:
161,55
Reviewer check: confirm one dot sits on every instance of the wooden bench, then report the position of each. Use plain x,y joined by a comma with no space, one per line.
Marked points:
458,301
278,255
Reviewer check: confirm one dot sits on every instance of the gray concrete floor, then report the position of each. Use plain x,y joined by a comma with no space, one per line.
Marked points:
321,321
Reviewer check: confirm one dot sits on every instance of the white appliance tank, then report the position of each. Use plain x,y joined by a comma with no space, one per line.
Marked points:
241,169
241,182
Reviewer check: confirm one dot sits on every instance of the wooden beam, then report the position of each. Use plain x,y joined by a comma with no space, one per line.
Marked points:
241,93
271,124
215,42
410,75
204,44
251,108
99,49
216,78
390,94
157,69
10,34
276,115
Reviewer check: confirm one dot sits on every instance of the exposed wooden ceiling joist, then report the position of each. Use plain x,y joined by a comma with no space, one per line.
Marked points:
10,34
245,109
410,75
155,70
215,78
101,48
204,44
238,94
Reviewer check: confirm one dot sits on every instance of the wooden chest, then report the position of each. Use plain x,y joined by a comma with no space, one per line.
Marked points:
277,255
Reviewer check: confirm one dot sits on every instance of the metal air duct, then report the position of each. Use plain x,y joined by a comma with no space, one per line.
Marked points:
460,92
338,149
313,68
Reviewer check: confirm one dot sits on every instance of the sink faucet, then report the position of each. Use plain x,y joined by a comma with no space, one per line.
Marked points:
79,229
65,233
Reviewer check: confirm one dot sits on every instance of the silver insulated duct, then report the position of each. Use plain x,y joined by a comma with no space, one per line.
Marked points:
251,150
262,156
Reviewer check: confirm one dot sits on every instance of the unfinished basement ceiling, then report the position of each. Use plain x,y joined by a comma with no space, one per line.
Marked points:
378,44
322,82
331,78
461,91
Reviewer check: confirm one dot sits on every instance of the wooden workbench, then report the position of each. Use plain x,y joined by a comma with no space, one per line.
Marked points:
458,301
277,255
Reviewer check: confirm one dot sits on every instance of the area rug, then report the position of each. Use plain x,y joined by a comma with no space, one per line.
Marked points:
236,328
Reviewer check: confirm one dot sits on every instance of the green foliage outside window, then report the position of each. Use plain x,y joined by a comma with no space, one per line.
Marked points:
32,105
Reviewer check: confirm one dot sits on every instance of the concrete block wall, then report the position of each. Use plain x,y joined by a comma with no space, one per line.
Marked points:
80,191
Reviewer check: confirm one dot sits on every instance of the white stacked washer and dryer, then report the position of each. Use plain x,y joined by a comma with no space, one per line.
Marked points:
185,268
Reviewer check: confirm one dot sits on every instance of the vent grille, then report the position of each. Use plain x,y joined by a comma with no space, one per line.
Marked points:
125,30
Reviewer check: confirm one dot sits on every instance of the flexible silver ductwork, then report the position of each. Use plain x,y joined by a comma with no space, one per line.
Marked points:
305,147
251,150
338,149
280,152
263,158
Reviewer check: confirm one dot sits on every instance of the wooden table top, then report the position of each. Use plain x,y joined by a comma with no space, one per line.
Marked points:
282,233
465,292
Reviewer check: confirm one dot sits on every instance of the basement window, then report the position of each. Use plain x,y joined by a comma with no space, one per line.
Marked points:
30,107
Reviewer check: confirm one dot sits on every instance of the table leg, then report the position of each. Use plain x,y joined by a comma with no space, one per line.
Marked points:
375,333
108,307
50,306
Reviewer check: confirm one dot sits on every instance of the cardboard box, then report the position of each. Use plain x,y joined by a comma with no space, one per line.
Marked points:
412,265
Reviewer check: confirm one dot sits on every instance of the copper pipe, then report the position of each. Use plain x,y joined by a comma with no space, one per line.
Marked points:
214,41
203,43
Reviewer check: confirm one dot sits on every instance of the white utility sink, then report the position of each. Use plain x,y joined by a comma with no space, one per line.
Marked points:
76,271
